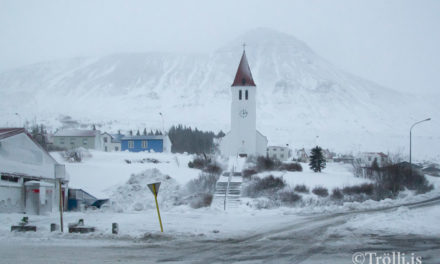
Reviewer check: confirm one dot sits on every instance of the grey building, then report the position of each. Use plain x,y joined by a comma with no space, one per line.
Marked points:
279,152
75,138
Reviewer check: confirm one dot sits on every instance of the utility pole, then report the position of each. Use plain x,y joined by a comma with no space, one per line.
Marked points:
410,143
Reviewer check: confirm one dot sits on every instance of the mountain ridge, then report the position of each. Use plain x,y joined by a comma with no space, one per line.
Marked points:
300,96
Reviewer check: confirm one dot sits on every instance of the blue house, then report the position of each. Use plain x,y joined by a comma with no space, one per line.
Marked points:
146,143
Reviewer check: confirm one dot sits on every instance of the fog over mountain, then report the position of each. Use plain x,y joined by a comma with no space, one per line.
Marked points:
302,99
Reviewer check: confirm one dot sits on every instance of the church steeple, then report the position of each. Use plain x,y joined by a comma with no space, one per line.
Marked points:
243,77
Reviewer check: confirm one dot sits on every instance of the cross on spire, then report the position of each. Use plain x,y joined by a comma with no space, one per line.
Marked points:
244,46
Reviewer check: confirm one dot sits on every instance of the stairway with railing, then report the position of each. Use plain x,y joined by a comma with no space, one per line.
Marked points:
228,187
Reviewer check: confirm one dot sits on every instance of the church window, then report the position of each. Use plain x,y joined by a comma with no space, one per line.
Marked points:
239,95
246,94
243,81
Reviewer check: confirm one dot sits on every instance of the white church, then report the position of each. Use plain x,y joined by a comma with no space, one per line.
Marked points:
243,139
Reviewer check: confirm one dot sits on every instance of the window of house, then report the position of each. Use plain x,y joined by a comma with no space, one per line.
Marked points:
116,148
105,148
105,139
130,144
239,95
369,158
9,178
144,144
246,95
282,156
85,141
62,141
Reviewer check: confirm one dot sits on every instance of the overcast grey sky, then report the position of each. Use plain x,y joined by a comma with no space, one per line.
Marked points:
394,43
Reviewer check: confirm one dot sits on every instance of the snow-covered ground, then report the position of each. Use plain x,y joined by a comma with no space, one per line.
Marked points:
334,175
104,170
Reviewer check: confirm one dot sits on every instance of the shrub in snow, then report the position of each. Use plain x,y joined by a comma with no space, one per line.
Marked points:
320,191
200,190
201,200
266,163
205,164
205,183
366,188
213,168
397,177
301,188
76,155
198,163
288,197
247,173
267,186
291,166
337,194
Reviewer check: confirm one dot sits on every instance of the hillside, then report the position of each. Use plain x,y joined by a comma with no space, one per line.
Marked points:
300,96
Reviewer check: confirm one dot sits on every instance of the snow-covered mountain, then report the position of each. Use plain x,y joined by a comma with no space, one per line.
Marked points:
302,98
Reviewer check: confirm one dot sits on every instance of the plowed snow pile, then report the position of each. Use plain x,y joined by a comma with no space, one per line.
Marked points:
135,195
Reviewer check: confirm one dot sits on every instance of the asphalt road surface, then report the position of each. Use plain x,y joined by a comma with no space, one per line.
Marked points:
303,242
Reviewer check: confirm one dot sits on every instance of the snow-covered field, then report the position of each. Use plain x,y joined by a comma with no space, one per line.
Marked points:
104,172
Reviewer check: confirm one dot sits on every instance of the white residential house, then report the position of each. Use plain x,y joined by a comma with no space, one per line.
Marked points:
110,143
279,152
75,138
302,155
29,175
367,158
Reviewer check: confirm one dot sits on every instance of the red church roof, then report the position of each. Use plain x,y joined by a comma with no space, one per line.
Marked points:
243,77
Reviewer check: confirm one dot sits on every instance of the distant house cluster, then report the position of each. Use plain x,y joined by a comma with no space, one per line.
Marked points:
94,139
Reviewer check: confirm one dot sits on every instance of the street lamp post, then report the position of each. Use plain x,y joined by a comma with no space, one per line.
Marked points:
410,142
163,124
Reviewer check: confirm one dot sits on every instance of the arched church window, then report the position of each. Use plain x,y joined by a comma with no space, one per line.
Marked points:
246,94
243,81
239,95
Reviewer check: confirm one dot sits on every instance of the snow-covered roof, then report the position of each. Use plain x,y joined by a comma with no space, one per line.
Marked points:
116,138
243,77
76,133
9,132
142,137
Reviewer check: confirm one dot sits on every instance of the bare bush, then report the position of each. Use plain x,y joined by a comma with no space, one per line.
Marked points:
263,187
248,173
337,194
320,191
301,188
76,155
288,197
205,183
201,200
265,163
366,188
291,166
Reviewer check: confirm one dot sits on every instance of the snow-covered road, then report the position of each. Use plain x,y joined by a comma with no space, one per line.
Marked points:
314,239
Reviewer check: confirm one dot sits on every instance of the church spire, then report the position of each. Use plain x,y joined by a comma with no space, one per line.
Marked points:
243,77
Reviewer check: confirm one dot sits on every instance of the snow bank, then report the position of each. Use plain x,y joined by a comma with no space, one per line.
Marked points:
135,195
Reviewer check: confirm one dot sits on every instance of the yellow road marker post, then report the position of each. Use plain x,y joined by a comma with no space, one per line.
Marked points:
154,188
